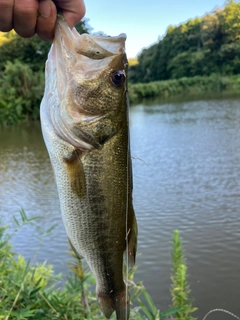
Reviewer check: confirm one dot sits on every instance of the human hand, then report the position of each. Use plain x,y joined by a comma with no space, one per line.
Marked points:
28,17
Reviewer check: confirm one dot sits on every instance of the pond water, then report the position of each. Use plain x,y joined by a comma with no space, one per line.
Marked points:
186,166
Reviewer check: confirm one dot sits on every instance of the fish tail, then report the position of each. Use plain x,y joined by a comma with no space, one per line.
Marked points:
120,303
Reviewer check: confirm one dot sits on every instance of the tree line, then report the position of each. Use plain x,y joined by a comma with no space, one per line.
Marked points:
202,46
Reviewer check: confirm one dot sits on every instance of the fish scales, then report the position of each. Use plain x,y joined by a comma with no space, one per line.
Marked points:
84,117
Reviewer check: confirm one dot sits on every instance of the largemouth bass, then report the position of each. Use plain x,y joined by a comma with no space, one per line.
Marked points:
84,118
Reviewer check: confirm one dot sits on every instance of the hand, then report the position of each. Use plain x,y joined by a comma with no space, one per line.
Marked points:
28,17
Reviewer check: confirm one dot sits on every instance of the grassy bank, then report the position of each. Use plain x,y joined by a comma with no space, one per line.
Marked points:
32,291
184,86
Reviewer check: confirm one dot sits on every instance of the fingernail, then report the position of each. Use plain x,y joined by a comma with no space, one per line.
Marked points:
45,8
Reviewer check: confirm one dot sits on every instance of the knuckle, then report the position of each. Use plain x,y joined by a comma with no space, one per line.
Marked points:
26,8
27,11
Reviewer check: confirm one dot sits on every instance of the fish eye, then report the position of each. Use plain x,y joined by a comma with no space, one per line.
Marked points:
118,77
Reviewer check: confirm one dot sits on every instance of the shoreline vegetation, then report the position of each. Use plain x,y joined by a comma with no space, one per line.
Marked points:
21,91
34,292
194,86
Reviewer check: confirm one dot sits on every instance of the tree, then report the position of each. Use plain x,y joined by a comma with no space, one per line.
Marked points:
200,46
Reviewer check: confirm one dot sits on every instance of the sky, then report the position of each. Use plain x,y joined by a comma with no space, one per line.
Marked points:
144,21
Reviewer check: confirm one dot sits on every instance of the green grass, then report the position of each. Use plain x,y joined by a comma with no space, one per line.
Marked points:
180,290
32,291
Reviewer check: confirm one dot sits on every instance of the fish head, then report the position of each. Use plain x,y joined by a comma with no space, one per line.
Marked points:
98,81
90,76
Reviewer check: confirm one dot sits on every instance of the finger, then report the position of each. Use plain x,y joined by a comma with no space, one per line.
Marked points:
6,15
73,10
25,17
46,21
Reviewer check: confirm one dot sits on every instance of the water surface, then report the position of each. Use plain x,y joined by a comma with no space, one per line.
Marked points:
186,165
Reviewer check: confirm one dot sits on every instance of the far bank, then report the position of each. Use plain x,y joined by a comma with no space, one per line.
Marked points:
183,87
20,103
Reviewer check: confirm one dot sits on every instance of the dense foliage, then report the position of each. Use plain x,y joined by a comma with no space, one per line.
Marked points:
192,87
22,63
202,46
33,291
21,91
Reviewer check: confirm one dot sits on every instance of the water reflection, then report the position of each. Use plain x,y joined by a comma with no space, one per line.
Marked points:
188,180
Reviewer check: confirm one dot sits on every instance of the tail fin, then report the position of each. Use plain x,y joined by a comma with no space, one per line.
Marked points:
120,303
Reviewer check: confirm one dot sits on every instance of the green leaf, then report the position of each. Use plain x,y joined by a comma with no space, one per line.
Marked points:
171,311
16,221
145,310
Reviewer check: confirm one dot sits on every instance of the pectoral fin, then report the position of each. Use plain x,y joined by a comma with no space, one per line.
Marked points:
76,173
74,250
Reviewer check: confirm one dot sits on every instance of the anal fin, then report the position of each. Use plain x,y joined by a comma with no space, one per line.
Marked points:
130,253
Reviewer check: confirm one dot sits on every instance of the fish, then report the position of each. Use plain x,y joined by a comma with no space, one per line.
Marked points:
85,126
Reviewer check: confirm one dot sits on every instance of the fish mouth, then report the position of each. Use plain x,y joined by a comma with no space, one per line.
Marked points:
94,47
84,55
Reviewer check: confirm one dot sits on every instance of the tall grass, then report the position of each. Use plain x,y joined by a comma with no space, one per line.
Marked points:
184,86
32,291
180,290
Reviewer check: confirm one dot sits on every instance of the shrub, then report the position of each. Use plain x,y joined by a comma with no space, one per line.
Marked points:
21,91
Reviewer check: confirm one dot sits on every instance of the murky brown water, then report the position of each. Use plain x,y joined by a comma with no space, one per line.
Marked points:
191,182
